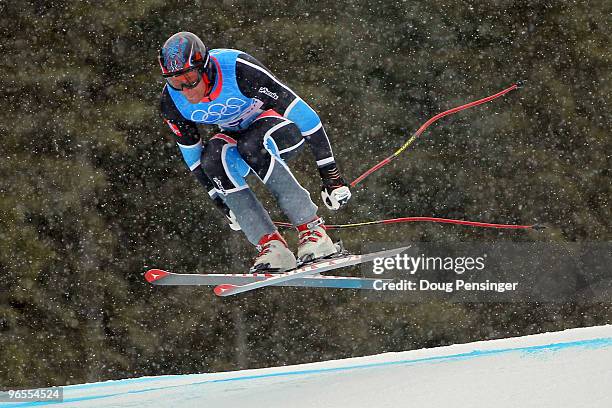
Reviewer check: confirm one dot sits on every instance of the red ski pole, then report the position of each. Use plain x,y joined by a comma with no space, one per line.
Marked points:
404,147
427,124
423,219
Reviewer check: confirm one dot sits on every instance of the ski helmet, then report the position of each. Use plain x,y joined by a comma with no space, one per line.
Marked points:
184,60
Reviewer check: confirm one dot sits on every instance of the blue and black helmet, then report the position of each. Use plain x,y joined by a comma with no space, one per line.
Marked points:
181,53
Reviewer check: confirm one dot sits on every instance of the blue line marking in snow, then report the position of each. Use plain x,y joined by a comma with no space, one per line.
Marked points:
553,347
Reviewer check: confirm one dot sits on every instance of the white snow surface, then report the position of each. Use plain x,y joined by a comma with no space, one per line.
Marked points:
572,368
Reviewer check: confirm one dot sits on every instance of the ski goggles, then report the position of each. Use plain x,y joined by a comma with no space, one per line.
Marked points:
184,80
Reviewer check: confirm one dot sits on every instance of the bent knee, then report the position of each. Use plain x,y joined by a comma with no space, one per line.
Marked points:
251,149
212,161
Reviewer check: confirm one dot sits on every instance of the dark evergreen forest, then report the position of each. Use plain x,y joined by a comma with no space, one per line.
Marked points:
93,190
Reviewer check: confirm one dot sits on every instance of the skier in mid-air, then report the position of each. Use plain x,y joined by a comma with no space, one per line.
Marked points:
262,123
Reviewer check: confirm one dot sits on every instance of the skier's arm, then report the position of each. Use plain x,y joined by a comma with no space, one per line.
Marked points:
256,81
190,144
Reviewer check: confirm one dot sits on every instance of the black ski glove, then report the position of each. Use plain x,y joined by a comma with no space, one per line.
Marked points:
335,191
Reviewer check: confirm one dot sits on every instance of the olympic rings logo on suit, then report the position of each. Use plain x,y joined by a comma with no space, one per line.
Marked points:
218,111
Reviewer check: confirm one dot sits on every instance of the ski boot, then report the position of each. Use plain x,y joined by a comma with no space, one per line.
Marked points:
273,256
314,242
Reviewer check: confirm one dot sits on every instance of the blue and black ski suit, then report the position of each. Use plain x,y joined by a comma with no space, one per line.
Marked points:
261,123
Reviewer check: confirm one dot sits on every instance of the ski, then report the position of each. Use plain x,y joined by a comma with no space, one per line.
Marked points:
165,278
228,289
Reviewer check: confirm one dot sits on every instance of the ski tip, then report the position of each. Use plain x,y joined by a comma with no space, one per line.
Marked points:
221,289
155,274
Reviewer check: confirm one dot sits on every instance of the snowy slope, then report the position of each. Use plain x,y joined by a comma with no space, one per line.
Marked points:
572,368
